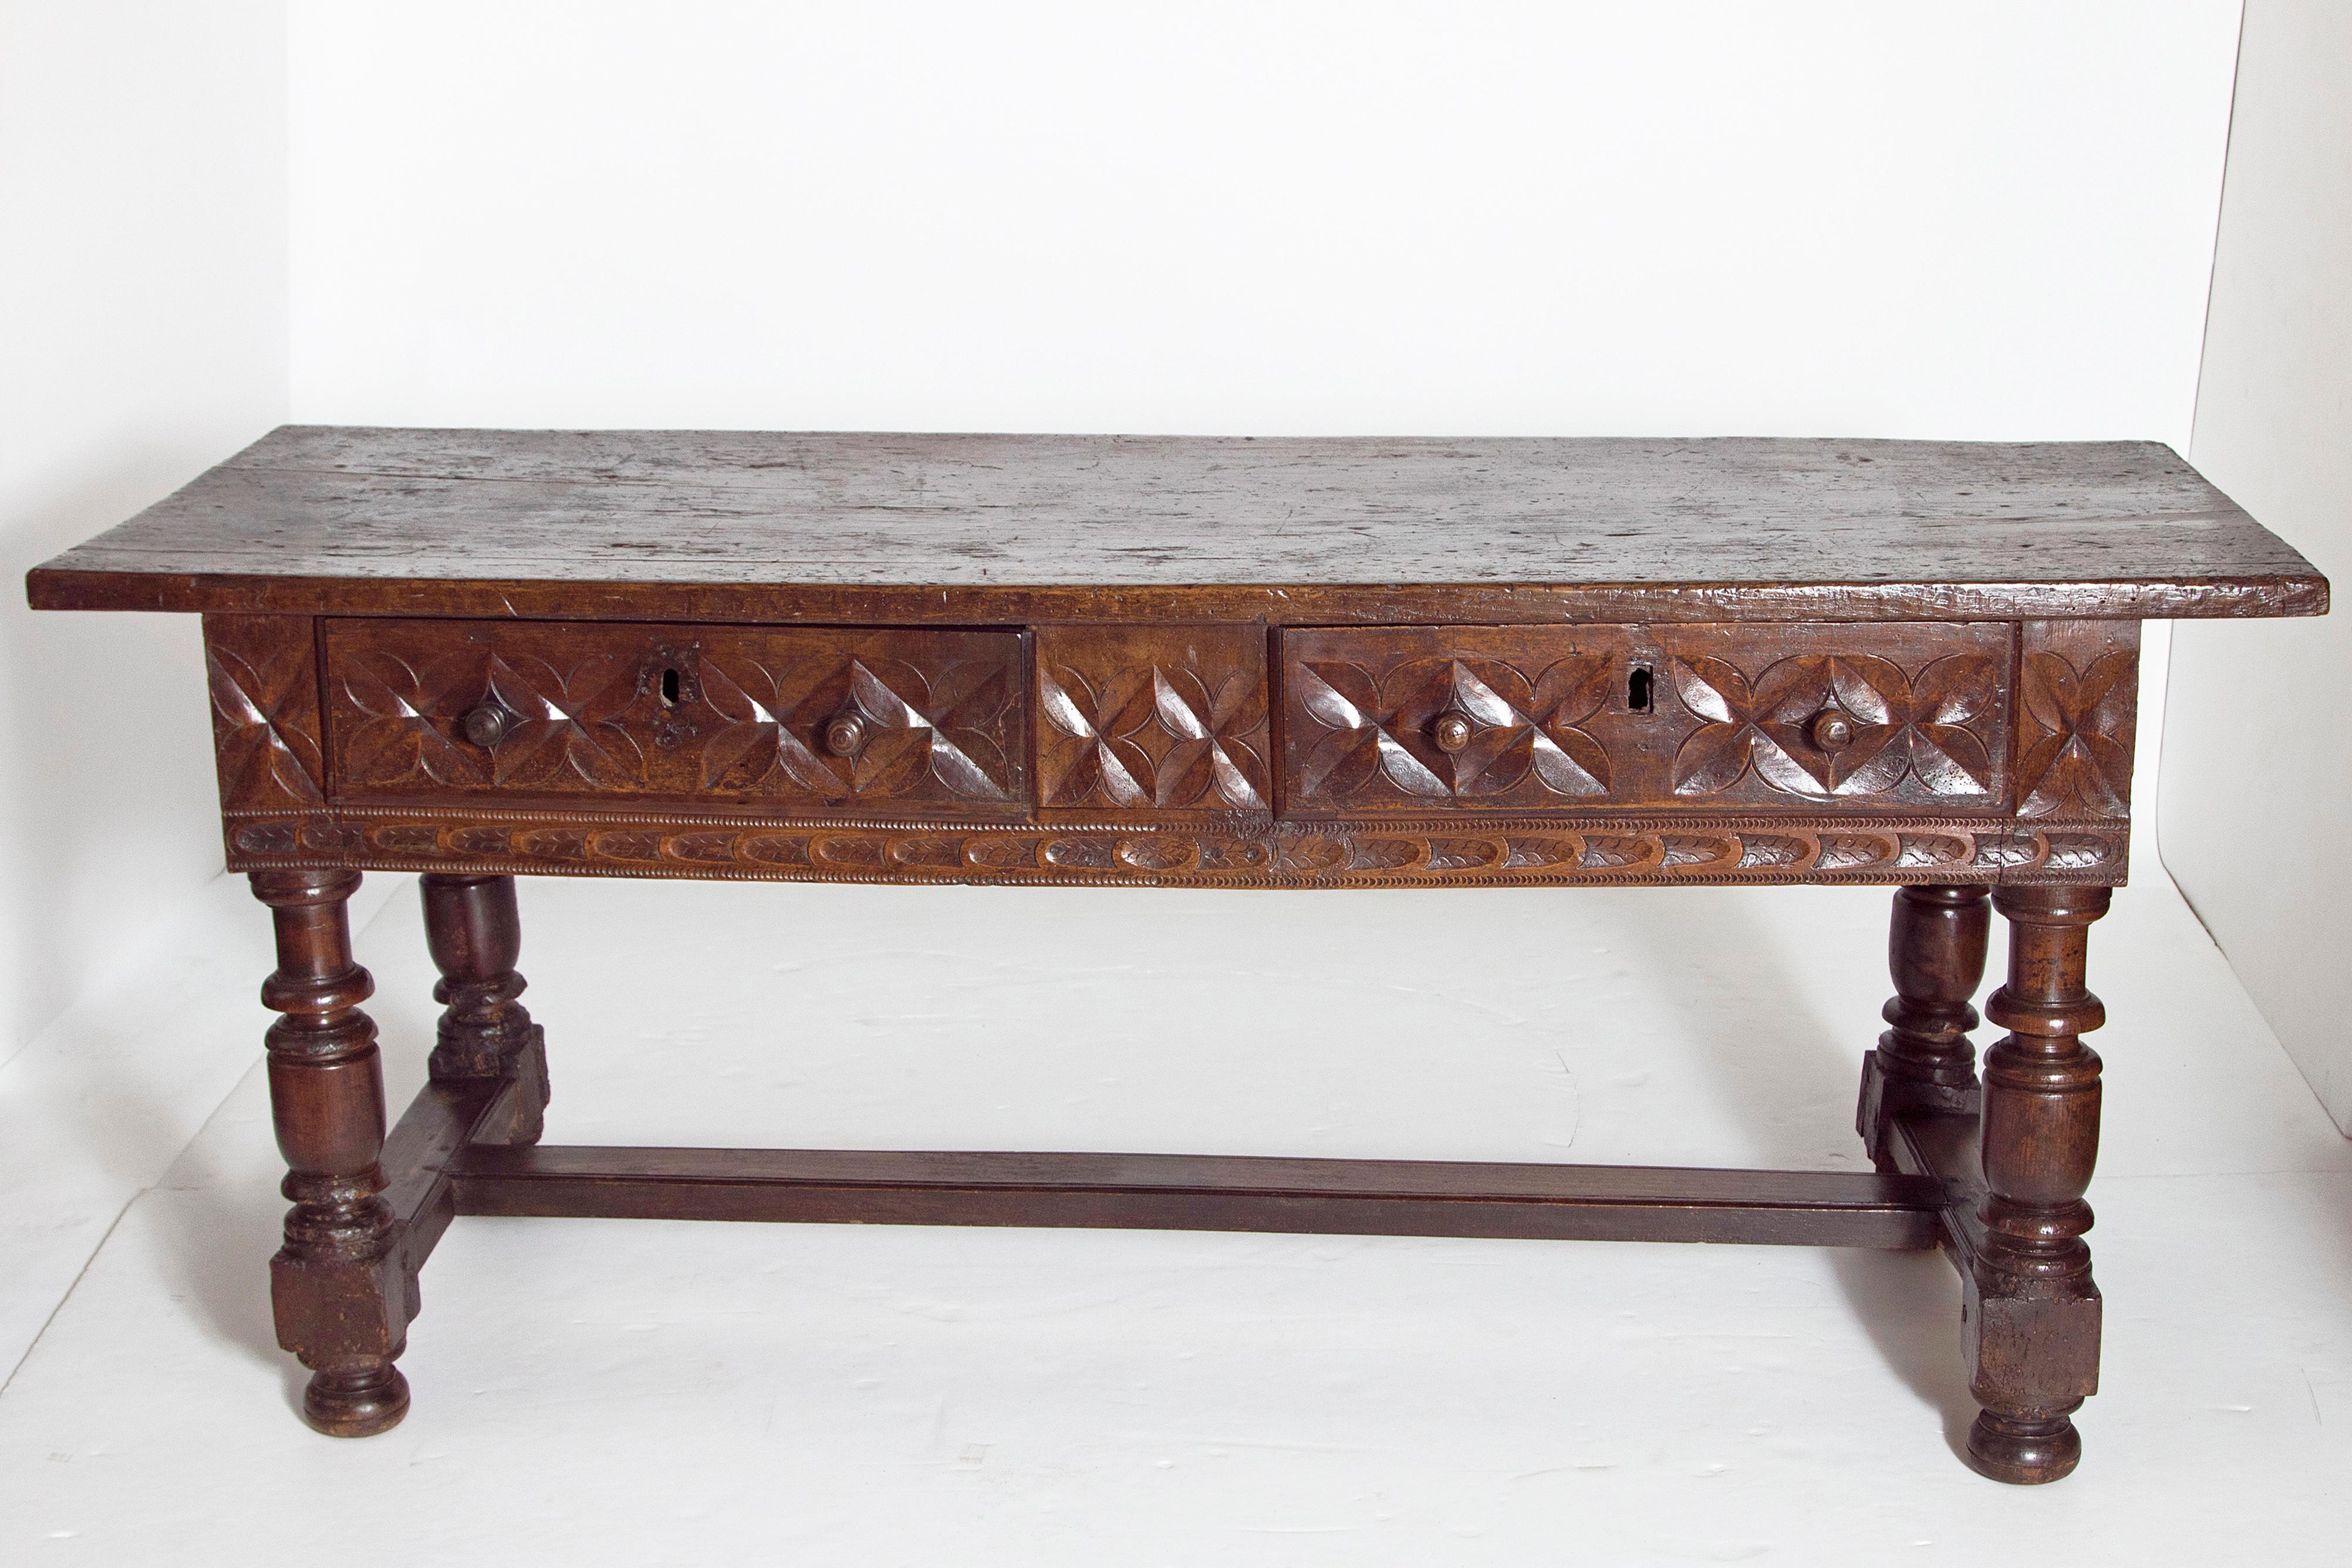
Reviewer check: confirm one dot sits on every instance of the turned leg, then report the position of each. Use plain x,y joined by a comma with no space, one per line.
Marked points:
2034,1350
1935,951
337,1286
475,935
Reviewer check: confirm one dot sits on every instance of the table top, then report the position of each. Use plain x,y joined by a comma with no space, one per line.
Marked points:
940,528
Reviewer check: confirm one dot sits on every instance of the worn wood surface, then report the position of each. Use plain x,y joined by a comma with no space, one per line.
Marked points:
1007,528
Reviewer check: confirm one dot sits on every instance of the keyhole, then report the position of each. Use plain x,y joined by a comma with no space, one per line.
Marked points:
1637,690
669,688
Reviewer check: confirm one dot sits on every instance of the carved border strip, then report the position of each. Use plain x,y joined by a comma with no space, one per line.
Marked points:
1222,852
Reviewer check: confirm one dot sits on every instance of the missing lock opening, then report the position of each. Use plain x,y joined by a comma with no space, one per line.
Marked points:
669,688
1637,690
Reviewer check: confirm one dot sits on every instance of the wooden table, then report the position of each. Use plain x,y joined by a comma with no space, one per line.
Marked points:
1183,663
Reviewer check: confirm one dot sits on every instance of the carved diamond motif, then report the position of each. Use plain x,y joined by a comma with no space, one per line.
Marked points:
397,741
2081,756
1168,716
562,727
1899,728
771,725
1157,736
264,716
1512,729
571,721
834,717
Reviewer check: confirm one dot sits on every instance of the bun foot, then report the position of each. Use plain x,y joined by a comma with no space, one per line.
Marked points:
356,1403
2025,1452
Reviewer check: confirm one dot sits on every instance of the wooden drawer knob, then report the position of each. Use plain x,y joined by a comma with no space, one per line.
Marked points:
486,726
1450,731
844,735
1832,731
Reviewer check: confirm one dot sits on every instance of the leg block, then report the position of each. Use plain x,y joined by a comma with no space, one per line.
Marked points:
2032,1363
347,1321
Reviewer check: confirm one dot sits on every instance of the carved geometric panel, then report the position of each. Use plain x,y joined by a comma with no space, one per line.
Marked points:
1166,718
2078,706
264,675
1866,714
1785,714
1403,718
1887,728
829,718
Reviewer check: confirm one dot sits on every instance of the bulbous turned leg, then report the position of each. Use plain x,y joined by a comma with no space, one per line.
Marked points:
474,934
341,1296
1936,951
2035,1310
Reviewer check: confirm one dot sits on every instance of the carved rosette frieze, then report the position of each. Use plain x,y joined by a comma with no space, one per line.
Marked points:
1161,717
1214,851
2078,687
264,677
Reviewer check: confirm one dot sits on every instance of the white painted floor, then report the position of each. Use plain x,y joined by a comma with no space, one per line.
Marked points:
615,1391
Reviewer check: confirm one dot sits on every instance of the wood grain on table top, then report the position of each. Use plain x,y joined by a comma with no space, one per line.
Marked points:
756,524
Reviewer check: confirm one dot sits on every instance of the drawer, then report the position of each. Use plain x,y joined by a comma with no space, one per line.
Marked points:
811,718
1414,718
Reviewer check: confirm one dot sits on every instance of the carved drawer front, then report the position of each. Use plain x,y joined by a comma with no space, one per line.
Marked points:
816,718
1522,718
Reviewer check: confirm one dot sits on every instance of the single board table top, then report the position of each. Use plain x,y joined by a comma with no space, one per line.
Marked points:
750,526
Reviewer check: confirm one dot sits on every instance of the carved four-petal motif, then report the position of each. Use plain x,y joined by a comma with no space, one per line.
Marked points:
1208,751
772,724
570,723
2082,758
396,738
264,757
560,727
1896,726
1511,728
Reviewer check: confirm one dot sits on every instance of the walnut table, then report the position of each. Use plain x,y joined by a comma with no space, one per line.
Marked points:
1181,662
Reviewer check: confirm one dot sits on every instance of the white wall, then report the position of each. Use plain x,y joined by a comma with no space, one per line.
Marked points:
142,337
1957,220
2259,751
